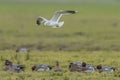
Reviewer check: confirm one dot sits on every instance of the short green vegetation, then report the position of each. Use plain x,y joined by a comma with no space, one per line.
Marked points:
65,58
92,35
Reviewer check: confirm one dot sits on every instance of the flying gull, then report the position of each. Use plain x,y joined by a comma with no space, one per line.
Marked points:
54,21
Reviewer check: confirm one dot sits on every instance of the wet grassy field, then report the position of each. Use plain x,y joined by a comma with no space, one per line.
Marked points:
91,35
65,58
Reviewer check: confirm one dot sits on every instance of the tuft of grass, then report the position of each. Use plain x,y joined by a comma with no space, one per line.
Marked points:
27,56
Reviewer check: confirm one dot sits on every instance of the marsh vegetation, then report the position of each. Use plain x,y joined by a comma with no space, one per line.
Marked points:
91,35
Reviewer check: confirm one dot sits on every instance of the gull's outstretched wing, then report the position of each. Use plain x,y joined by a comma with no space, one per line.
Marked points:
40,20
58,14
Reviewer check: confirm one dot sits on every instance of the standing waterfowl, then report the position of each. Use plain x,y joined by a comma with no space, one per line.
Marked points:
57,68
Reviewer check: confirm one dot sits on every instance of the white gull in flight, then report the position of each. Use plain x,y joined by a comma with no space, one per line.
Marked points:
54,21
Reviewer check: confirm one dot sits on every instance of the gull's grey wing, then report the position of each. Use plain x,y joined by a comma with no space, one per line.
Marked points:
56,17
58,14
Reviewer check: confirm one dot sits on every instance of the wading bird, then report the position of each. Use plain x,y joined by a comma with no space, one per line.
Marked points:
54,21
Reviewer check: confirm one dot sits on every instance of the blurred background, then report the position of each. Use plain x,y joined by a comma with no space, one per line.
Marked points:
81,1
95,27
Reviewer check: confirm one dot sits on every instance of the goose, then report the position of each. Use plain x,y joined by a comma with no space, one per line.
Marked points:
54,21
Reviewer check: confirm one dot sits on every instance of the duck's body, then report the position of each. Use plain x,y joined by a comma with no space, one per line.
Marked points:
105,69
9,66
41,67
81,67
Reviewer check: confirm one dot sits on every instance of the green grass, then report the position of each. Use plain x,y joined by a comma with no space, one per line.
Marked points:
91,35
65,58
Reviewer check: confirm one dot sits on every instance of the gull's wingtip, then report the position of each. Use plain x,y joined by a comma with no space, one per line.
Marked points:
68,11
71,11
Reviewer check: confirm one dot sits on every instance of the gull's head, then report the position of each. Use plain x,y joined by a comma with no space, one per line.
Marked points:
38,21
